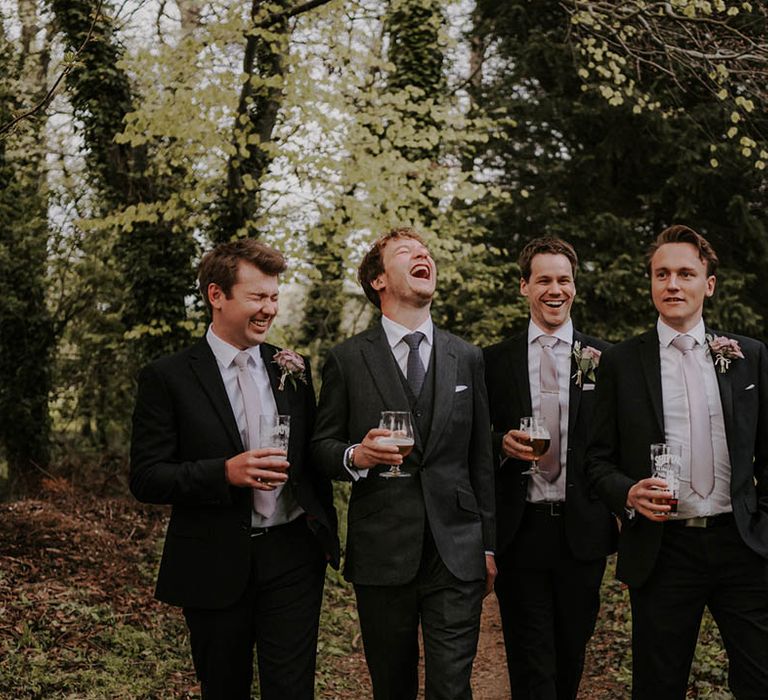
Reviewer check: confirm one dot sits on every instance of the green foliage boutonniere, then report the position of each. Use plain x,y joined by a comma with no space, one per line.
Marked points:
724,351
291,365
587,359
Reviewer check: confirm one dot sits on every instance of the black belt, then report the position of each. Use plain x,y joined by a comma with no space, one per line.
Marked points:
552,508
261,531
704,521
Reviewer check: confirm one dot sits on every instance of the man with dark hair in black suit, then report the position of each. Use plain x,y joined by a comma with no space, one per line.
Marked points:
419,548
553,534
251,528
682,383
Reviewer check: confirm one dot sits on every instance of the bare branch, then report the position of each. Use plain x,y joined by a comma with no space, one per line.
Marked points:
46,100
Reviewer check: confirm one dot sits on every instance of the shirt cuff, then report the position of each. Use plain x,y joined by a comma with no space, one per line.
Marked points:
354,473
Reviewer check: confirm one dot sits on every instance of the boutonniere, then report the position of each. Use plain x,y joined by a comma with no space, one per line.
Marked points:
291,365
587,359
724,350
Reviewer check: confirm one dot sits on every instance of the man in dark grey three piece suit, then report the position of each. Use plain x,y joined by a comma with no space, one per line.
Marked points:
419,548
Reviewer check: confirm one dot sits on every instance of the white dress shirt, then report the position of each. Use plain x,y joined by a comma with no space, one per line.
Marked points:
677,428
539,489
287,509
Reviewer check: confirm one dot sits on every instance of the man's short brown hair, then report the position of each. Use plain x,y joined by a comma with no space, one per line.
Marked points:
219,266
678,233
546,245
372,264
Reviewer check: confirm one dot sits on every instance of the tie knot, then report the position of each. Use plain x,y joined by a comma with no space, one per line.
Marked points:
547,341
684,343
413,340
241,359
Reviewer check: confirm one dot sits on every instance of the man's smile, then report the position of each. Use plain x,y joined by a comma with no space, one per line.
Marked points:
421,271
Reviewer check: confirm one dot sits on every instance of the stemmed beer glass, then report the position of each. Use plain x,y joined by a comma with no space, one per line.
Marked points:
400,429
538,439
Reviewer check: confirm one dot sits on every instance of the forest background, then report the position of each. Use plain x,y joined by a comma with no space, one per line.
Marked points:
134,135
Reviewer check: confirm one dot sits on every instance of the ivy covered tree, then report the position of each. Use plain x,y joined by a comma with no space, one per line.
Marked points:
26,329
154,256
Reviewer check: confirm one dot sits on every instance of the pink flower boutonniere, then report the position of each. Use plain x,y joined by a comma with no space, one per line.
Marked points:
724,350
291,365
587,359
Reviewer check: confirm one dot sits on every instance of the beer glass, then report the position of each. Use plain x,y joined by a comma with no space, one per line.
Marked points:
538,438
400,434
666,459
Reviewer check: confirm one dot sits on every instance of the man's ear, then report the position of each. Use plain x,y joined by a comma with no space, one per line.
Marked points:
378,283
711,283
215,295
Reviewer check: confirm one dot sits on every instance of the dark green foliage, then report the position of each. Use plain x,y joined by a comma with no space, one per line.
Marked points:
606,179
26,330
325,297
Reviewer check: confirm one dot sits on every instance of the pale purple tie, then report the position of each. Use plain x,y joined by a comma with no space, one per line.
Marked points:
264,502
549,393
702,458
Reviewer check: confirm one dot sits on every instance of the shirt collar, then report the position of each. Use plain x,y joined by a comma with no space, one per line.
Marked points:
395,332
667,334
564,333
224,352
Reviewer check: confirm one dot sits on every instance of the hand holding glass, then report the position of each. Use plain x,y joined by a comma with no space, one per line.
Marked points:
400,434
538,439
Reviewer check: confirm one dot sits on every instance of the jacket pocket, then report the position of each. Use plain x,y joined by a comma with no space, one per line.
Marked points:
467,501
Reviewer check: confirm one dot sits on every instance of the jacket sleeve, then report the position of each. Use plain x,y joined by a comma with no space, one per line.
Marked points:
331,436
481,454
158,474
602,460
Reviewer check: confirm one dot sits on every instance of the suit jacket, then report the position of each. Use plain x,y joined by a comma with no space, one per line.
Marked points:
629,417
590,528
184,430
452,482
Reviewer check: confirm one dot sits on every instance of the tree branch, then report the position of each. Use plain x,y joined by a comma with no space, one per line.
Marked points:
287,14
6,128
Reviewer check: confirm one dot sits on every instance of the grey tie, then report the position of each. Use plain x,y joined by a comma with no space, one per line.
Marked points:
415,369
702,457
549,393
264,502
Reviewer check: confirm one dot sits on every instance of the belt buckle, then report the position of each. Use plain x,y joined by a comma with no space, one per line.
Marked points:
554,509
259,532
699,521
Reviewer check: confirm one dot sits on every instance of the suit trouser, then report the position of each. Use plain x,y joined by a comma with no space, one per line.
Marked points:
699,567
549,603
449,611
278,613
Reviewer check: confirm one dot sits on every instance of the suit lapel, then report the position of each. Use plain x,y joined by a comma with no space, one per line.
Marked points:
203,364
445,387
574,390
517,370
651,362
383,370
281,397
725,387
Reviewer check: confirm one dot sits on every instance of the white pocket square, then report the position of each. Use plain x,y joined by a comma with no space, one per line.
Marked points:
460,387
751,386
587,387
